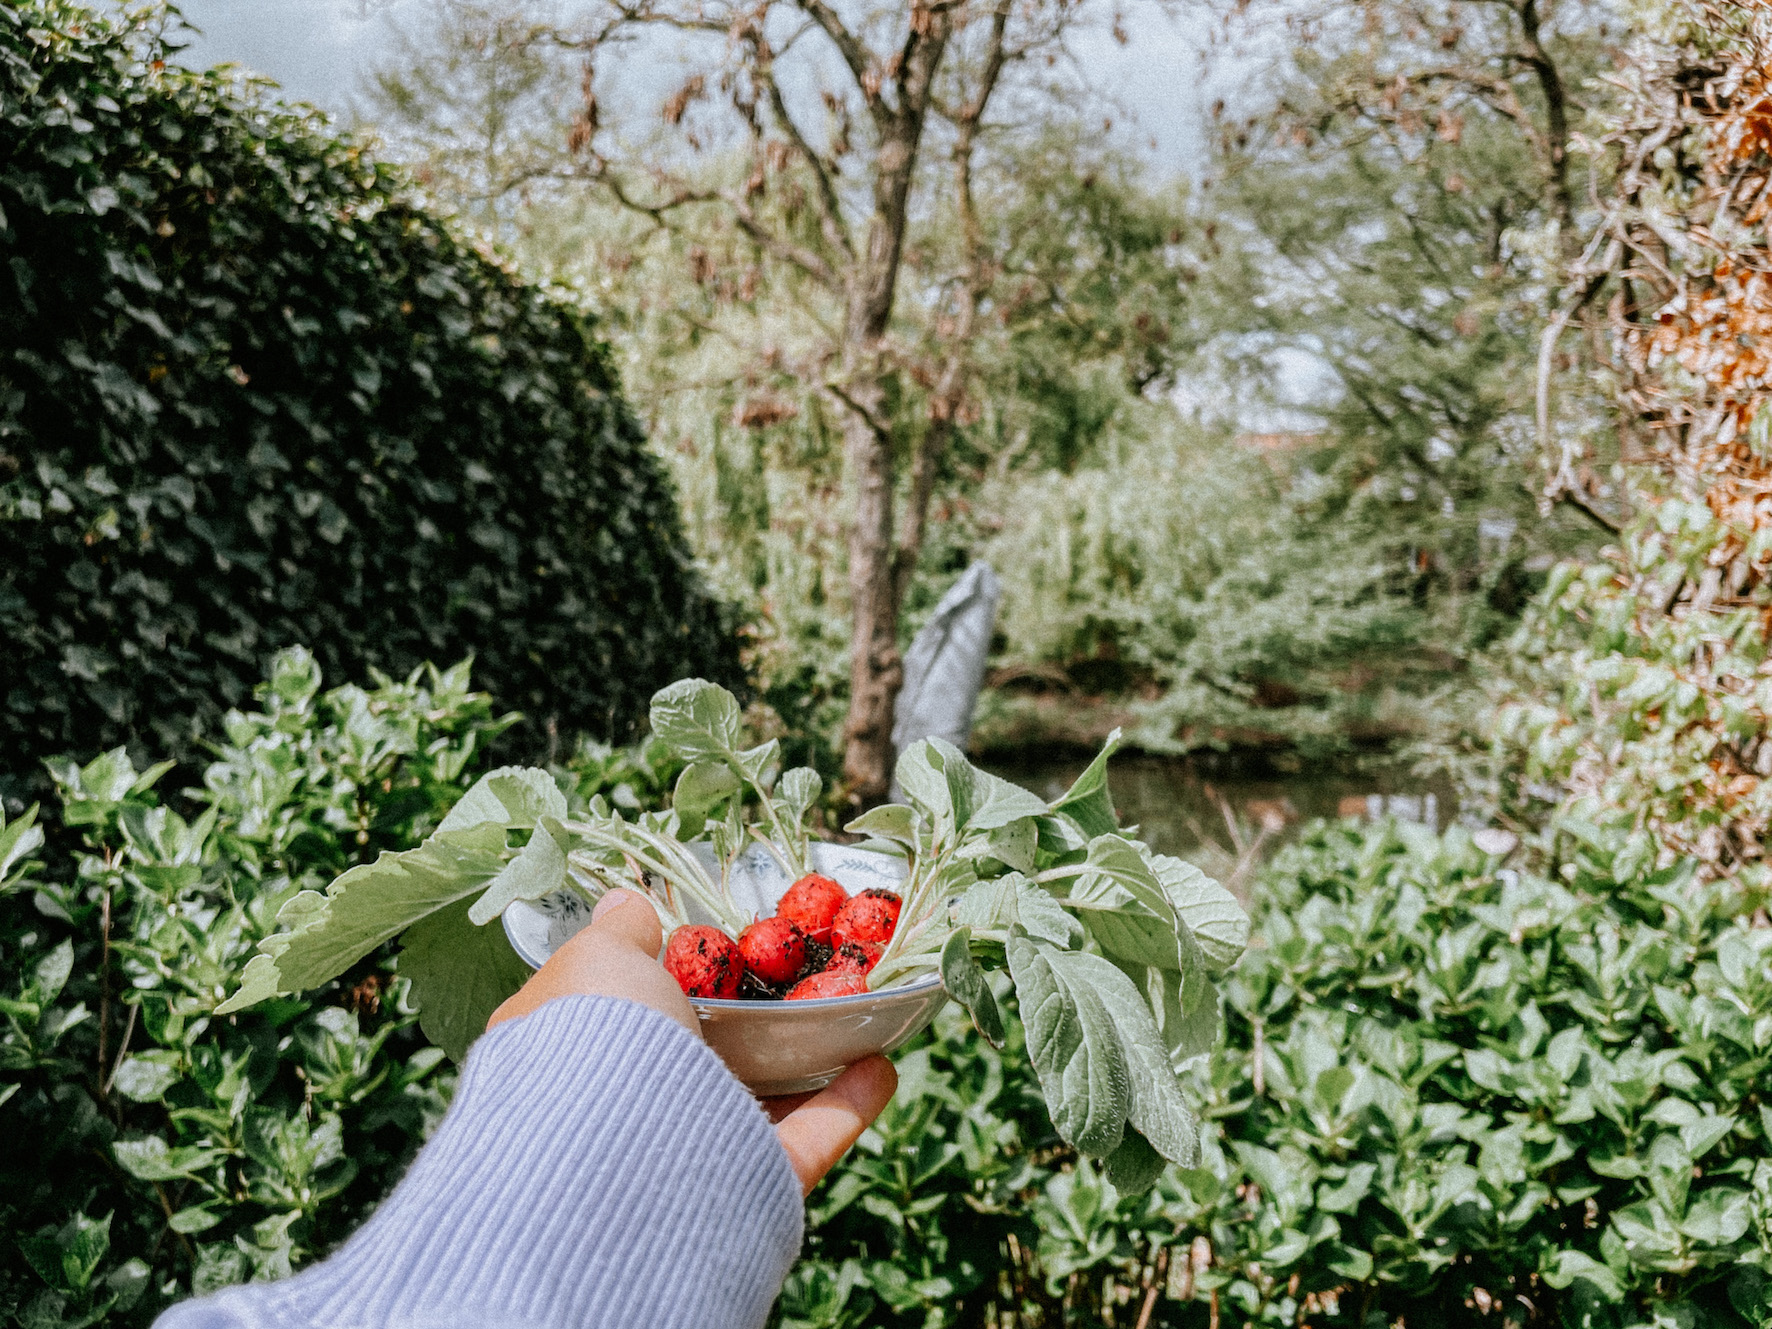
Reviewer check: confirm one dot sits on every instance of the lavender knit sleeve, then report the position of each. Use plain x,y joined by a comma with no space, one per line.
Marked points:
599,1169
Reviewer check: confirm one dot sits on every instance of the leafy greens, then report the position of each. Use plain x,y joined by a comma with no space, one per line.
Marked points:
1112,950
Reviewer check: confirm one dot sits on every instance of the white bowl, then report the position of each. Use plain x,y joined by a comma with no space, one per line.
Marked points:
774,1047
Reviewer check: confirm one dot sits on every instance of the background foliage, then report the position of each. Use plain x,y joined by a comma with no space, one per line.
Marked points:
250,398
149,1148
1447,1082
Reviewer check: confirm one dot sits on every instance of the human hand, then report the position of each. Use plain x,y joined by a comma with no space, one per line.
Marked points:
617,956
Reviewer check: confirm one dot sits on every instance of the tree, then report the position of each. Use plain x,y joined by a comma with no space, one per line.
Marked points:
835,184
1400,215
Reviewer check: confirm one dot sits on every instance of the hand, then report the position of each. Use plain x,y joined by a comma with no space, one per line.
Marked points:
617,956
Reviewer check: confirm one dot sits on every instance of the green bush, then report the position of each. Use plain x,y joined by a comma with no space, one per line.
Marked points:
147,1149
1448,1084
1448,1089
250,397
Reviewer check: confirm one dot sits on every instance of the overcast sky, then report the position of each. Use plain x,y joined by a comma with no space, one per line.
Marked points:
319,51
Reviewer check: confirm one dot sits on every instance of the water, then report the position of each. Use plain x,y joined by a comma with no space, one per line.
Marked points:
1180,803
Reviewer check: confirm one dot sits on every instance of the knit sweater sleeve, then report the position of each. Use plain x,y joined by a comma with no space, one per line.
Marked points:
600,1169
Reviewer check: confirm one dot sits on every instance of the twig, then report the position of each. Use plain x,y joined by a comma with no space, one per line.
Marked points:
104,1087
1159,1274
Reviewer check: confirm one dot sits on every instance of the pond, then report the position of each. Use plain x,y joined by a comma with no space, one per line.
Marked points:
1181,803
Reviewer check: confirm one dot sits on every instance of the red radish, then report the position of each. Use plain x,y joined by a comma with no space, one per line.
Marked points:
704,961
831,983
812,902
774,949
854,957
869,917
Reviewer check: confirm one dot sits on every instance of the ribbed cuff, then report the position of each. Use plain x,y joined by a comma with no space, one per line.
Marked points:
599,1169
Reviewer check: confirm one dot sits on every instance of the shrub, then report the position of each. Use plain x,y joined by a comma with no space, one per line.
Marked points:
147,1149
1448,1089
251,397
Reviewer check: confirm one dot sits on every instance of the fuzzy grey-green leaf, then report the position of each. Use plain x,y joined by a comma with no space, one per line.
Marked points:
1074,1047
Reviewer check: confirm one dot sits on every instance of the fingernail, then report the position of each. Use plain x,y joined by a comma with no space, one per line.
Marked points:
609,901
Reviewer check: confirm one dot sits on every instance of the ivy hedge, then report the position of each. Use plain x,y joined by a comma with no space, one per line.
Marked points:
252,397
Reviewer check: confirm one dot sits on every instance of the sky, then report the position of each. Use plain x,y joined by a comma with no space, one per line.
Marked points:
1160,88
320,50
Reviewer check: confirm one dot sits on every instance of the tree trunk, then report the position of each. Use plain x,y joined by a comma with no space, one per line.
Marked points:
876,672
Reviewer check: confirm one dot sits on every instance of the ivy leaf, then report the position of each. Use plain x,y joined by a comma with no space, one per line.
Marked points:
696,718
538,869
515,797
461,973
964,979
325,935
1211,913
1073,1044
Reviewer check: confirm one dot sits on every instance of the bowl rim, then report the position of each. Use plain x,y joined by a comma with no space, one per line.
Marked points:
916,985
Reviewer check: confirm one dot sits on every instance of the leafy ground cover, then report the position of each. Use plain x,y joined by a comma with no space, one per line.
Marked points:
1450,1085
150,1148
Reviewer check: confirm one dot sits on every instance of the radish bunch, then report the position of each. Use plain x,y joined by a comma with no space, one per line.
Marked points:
820,942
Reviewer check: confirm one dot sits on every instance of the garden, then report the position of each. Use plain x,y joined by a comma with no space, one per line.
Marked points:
368,495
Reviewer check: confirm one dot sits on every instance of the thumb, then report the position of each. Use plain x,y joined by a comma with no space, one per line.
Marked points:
616,956
628,917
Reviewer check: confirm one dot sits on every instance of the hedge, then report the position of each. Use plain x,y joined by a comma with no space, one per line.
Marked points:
251,396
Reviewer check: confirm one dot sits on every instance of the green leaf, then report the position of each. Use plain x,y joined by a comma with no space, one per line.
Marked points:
144,1077
1010,900
1074,1046
1218,923
696,718
704,785
799,790
1015,844
997,802
1155,1103
198,1218
19,837
937,779
964,979
460,975
52,972
151,1159
325,935
1088,804
1134,1167
1186,1004
538,869
1118,868
889,821
515,797
1568,1266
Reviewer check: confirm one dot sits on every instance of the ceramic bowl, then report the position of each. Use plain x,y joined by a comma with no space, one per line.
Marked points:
774,1047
